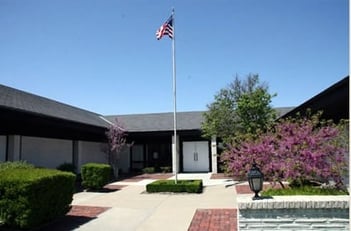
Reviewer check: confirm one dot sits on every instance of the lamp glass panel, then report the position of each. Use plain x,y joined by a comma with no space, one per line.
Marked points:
257,184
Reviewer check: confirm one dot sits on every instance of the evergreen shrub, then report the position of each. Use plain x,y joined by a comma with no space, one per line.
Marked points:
189,186
31,197
95,176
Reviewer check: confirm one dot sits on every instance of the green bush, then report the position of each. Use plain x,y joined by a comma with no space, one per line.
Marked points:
15,165
67,167
149,170
190,186
166,169
95,176
304,190
31,197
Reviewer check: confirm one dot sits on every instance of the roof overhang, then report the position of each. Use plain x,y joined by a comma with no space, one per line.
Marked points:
334,102
17,122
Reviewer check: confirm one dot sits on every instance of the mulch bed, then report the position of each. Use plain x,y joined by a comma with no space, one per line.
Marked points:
214,220
112,187
245,188
220,176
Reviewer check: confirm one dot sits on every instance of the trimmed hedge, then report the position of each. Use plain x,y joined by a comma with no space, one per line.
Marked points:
15,165
95,176
31,197
190,186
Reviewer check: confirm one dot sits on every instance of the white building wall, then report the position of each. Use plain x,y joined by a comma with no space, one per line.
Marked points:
45,152
90,152
3,144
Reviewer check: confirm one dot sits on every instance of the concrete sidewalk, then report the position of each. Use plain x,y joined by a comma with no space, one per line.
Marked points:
133,209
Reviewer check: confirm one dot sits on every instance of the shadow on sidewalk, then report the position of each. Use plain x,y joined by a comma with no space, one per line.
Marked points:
76,217
67,222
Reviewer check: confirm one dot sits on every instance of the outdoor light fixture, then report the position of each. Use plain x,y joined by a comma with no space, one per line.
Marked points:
255,178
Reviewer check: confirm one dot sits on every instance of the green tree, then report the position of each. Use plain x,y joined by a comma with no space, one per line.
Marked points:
241,109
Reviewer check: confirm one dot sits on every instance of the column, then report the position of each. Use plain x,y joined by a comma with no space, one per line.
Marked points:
214,154
14,148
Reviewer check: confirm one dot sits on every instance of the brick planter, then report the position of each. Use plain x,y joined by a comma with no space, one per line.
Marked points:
294,213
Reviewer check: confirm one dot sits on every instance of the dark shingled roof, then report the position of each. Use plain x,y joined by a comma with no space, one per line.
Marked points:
18,100
159,121
164,121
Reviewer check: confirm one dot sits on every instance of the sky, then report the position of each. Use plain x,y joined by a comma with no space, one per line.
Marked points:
103,55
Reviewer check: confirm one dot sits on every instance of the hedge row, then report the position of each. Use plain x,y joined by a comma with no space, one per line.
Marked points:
190,186
30,197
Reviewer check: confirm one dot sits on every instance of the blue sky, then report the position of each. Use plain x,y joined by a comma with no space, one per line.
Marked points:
103,56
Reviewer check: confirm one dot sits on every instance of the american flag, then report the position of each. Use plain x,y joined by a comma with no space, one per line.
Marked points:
165,29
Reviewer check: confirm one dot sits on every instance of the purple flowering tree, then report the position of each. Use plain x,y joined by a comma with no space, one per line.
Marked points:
302,149
116,142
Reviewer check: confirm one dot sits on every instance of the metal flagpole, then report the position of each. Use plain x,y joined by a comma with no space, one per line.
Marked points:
175,148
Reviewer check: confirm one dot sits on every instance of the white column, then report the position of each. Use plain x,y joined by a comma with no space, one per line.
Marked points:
175,155
214,154
14,148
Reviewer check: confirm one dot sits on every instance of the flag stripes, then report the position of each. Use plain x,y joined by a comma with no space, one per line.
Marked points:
165,29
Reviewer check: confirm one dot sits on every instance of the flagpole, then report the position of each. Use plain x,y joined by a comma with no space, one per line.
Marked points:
175,148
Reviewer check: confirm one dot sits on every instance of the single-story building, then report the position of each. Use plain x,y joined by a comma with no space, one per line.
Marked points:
49,133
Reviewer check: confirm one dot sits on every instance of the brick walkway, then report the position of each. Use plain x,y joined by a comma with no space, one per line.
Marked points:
152,176
214,220
86,211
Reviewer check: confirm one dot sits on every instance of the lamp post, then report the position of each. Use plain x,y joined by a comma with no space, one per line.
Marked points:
255,178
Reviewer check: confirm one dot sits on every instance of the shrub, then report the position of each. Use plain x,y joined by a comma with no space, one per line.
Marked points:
300,149
304,190
31,197
95,176
149,170
190,186
166,169
67,167
15,165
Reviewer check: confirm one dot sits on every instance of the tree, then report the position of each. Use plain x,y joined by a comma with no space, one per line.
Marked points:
295,149
116,142
242,108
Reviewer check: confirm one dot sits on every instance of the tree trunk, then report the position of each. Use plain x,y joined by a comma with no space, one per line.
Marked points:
281,184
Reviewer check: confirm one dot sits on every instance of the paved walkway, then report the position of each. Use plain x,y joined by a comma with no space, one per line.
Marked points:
132,209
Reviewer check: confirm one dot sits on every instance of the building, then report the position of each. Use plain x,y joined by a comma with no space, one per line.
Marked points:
48,133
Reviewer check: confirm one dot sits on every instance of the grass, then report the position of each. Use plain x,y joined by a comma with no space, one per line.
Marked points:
304,190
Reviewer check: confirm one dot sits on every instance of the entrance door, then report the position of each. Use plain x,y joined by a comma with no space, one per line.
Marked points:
195,156
137,157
